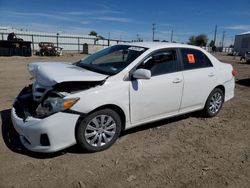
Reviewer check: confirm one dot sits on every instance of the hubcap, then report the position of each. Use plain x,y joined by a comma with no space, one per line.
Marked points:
215,103
100,130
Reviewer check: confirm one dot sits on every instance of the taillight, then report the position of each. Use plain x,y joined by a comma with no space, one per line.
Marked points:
234,73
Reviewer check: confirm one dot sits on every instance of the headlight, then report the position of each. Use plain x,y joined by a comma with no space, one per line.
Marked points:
53,105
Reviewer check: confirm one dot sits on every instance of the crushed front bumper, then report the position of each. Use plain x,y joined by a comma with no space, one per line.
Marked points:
49,134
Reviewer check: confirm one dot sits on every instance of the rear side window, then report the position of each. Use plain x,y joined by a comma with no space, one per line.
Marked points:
194,59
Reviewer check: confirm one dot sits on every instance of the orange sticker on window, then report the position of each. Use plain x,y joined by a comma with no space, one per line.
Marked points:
191,58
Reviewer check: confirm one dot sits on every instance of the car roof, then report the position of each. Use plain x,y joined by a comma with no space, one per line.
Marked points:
155,45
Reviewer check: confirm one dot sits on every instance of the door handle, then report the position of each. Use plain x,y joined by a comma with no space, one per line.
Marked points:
211,74
177,80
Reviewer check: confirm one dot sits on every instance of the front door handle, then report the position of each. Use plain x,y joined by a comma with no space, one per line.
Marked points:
211,74
177,80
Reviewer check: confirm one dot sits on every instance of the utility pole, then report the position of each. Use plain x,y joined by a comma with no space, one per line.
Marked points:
215,33
172,34
153,29
109,39
232,43
223,37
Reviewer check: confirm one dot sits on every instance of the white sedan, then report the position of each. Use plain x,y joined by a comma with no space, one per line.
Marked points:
92,101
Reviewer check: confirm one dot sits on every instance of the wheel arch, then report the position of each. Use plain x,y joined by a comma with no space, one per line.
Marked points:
222,88
107,106
205,109
218,86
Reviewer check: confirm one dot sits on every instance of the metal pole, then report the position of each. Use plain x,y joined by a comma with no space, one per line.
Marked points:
78,40
2,36
215,33
33,46
172,34
223,37
109,39
57,36
153,29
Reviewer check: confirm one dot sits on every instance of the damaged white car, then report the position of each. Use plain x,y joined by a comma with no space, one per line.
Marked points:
91,101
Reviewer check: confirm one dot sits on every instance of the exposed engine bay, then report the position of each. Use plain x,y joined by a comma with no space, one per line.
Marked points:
40,102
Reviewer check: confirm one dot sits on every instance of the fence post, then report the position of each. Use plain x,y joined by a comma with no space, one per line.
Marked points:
57,36
33,46
78,40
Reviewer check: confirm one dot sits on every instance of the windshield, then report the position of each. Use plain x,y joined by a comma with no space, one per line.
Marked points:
111,60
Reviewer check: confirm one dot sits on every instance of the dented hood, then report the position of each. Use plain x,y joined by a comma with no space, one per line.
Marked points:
49,74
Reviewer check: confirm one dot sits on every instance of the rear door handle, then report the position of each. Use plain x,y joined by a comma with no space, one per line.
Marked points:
177,80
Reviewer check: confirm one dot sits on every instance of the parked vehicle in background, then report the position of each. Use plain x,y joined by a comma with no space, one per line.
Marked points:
92,101
48,49
247,57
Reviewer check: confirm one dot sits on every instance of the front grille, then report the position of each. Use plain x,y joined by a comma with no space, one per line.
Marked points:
41,90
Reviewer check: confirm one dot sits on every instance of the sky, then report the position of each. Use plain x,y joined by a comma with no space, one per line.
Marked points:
130,19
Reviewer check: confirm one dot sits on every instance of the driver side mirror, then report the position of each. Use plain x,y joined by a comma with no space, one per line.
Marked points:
142,74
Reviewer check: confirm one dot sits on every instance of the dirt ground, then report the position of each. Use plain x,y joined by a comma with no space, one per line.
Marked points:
186,151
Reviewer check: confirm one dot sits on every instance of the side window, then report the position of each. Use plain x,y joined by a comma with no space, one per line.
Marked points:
161,62
194,59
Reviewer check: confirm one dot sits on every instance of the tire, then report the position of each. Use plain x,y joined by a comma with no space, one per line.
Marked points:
99,130
214,103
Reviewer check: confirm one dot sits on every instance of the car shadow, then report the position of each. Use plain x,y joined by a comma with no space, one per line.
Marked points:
12,141
243,62
244,82
157,124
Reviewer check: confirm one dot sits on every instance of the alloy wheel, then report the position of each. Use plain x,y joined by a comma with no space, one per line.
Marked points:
100,130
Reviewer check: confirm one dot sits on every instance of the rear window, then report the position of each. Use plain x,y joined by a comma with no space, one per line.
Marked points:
194,59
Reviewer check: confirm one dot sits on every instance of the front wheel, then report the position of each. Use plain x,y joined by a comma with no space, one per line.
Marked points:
99,130
214,103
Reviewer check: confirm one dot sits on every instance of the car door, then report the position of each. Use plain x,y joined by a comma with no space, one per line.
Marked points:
160,95
199,79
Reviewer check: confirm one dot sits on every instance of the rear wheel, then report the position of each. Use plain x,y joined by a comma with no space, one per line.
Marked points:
99,130
214,103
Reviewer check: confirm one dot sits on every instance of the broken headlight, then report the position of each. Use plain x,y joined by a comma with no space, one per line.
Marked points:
53,105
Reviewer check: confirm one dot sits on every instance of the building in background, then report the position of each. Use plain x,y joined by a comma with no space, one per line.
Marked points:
242,43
